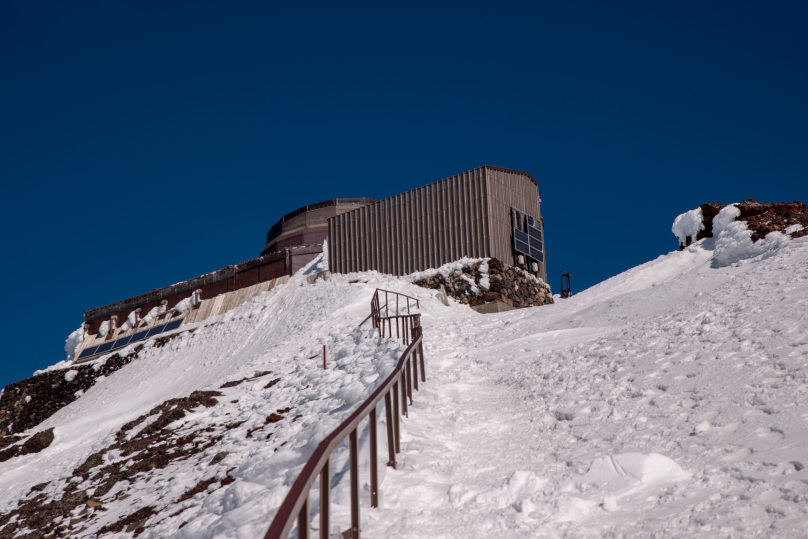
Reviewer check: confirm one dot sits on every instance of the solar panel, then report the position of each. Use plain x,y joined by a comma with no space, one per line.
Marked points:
104,347
173,325
139,336
156,330
531,242
123,341
87,352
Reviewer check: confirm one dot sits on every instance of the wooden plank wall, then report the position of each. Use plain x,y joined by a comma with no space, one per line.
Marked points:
416,230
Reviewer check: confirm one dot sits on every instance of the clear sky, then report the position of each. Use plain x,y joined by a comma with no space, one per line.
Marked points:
143,143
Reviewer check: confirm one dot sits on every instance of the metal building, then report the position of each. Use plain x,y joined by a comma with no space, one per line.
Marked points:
485,212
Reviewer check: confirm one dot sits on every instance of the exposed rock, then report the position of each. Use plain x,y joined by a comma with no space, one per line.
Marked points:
512,286
37,442
154,446
760,218
49,392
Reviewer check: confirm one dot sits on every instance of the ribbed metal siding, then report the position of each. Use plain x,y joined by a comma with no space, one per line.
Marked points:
465,215
508,190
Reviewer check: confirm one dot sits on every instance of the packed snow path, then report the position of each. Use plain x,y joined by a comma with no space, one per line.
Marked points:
670,400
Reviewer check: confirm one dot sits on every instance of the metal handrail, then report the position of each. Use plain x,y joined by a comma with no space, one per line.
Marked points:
385,323
398,385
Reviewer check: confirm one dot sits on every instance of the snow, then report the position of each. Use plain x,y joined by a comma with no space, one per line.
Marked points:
184,305
71,375
445,270
688,224
670,400
153,313
484,281
73,342
733,242
129,323
103,329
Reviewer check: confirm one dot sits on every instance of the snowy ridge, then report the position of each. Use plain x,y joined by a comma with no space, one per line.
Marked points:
669,400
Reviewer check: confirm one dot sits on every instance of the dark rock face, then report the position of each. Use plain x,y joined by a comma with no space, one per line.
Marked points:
760,218
154,446
27,403
37,442
708,211
777,216
511,286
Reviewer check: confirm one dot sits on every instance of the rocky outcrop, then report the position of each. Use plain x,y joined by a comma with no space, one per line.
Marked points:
760,218
27,403
512,286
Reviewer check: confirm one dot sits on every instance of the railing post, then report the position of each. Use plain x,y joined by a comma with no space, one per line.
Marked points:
391,440
374,456
415,368
404,392
421,353
303,525
354,485
325,500
408,366
395,418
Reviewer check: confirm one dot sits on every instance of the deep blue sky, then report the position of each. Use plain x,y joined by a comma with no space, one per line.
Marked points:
143,143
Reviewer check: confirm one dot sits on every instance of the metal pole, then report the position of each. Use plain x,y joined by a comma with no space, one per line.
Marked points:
374,455
395,418
421,353
303,525
391,443
415,369
323,357
354,484
325,499
408,363
404,391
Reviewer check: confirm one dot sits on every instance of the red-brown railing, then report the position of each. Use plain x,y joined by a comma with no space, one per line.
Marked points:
398,385
383,320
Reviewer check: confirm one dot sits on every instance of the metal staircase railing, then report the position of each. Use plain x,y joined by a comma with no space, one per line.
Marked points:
383,320
396,388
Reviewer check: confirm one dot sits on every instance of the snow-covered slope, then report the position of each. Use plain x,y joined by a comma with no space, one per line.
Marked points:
258,432
670,400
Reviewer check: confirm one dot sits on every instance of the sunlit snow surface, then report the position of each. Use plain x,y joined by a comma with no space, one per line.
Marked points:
670,400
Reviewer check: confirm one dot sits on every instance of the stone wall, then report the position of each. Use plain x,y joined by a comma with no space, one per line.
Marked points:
509,285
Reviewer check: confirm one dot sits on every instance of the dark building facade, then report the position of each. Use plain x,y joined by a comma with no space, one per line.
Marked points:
308,225
485,212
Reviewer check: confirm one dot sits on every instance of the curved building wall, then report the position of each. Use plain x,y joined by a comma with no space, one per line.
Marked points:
309,224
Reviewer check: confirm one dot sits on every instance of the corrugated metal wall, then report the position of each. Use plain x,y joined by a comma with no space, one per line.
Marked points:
509,189
465,215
